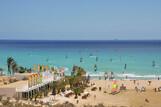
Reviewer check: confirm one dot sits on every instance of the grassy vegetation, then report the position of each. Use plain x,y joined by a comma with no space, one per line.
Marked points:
77,81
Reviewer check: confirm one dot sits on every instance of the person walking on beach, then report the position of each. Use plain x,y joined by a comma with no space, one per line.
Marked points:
158,78
136,89
88,78
126,77
94,97
106,75
134,81
77,101
149,82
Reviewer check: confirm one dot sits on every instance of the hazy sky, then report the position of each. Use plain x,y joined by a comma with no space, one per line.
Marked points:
80,19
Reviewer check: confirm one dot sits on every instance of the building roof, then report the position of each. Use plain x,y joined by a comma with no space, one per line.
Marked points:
18,85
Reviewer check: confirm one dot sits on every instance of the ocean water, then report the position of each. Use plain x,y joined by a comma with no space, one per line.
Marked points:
111,56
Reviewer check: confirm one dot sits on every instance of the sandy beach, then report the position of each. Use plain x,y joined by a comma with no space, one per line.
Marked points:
127,98
136,93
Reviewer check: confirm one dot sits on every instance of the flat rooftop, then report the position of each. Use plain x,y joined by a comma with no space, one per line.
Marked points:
23,84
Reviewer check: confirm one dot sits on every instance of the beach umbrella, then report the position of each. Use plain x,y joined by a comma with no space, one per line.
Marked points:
114,86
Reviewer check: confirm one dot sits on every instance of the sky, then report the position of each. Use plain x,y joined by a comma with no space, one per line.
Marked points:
80,19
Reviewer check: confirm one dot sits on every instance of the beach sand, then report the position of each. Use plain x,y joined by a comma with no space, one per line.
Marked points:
127,98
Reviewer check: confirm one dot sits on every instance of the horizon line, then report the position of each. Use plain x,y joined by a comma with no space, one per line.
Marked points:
80,40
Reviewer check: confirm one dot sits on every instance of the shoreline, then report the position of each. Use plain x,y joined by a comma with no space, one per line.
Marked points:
102,77
119,77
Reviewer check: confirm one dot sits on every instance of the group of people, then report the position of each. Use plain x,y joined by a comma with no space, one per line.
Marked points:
109,75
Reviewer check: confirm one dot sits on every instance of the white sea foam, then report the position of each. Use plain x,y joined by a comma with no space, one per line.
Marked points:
98,73
129,75
137,76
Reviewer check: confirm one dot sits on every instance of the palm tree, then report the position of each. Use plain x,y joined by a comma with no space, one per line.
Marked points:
71,81
76,92
22,69
9,62
12,66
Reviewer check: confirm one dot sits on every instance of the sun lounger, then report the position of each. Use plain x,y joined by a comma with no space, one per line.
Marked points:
6,82
85,95
68,93
159,89
143,89
122,87
61,94
94,88
115,92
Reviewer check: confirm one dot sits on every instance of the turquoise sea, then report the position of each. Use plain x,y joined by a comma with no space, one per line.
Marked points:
141,58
